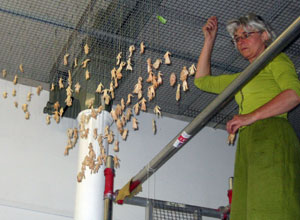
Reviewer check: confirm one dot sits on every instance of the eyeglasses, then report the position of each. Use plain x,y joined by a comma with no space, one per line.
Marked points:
244,36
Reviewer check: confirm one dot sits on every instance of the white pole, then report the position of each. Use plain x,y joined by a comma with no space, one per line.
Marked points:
89,202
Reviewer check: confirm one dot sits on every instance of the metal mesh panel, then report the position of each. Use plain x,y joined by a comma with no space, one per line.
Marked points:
38,34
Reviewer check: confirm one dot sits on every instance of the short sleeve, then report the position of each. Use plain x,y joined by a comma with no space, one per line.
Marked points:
285,74
214,84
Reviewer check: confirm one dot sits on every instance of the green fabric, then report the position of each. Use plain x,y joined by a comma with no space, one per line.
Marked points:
267,172
277,76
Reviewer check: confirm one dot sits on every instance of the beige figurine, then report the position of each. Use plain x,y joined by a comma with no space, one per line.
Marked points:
56,116
4,73
123,120
98,164
124,134
143,105
112,90
118,110
185,86
15,81
154,81
142,48
136,108
68,101
116,83
69,78
86,49
95,133
119,125
75,62
129,96
14,92
52,87
123,104
99,88
113,115
110,137
106,96
66,56
16,104
167,58
85,62
129,67
150,77
128,114
134,123
56,106
157,63
60,83
184,74
151,92
87,75
116,162
27,115
119,56
113,73
159,78
29,94
69,91
21,68
77,87
178,92
116,146
61,111
230,139
38,90
131,50
4,94
157,111
138,88
172,79
192,70
25,107
149,65
48,119
119,70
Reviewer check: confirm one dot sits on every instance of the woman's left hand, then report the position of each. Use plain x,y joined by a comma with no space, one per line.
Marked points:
238,121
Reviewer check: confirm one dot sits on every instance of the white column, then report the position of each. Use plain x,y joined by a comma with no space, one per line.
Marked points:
89,204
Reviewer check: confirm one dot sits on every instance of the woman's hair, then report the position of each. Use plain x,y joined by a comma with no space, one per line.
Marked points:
251,22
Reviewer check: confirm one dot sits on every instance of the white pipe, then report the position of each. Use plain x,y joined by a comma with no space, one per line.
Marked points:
89,204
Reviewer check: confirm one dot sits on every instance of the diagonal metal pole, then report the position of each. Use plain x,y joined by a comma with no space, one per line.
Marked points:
222,99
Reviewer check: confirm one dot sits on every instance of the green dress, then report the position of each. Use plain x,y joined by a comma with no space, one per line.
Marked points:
267,165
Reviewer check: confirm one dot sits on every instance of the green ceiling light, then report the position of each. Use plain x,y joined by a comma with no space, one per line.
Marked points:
161,19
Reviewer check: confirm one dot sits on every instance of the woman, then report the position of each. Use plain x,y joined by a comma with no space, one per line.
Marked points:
267,166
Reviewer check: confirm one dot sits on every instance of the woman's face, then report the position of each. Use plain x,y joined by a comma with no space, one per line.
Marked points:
250,45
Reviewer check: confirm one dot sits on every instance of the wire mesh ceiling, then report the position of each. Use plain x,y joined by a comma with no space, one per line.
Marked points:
38,34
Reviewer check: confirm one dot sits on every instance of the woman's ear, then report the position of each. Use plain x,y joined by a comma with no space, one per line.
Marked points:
265,36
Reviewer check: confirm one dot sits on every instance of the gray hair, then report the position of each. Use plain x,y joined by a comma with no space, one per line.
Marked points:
251,21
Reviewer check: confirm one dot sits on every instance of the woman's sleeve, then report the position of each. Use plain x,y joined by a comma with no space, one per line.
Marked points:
214,84
285,74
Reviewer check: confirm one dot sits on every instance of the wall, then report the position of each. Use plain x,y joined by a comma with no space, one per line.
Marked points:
39,182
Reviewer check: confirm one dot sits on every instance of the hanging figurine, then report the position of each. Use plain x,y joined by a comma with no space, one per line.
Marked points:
131,50
192,70
159,78
119,70
124,134
136,108
157,111
52,87
75,62
16,104
119,56
128,114
56,106
184,74
4,94
14,92
142,48
143,105
185,86
66,59
38,90
48,119
116,146
230,139
106,96
138,88
110,137
178,92
77,87
134,123
149,65
29,94
87,75
21,68
61,111
4,73
172,79
60,83
95,133
84,63
86,49
112,90
27,115
129,96
116,162
129,67
25,107
15,80
151,92
167,58
99,88
157,63
113,115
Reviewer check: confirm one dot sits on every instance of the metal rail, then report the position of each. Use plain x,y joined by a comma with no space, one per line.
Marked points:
200,121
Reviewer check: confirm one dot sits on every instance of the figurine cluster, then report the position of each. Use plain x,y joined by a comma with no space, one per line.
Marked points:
14,92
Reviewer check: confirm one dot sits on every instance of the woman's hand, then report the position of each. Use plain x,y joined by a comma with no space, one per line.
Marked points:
238,121
210,29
